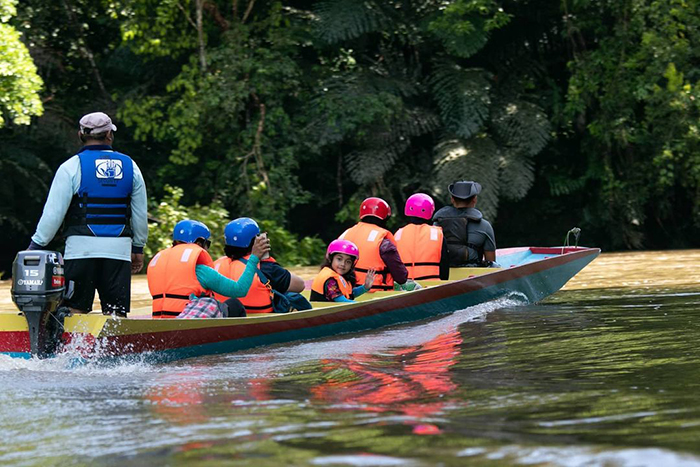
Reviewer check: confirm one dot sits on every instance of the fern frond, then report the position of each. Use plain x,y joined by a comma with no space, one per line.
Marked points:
517,174
341,20
370,165
463,97
407,124
477,159
560,185
521,126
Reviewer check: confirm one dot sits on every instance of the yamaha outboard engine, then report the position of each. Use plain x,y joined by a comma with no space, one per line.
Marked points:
38,286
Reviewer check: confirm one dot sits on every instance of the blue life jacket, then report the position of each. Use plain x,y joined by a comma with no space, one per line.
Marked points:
102,206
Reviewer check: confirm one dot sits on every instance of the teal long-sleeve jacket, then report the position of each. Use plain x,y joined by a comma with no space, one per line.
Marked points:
213,280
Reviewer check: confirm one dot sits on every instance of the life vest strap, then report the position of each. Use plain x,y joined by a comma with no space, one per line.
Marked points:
384,271
121,211
262,307
157,314
169,295
97,221
100,200
421,264
422,278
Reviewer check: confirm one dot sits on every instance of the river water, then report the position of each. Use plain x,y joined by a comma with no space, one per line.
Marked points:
604,373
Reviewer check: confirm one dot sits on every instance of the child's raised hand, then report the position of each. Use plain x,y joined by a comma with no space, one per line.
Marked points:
369,279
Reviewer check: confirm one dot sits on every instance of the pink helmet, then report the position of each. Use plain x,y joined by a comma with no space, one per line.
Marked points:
420,205
342,246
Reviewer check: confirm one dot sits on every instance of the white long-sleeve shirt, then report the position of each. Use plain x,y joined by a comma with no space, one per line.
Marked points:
65,185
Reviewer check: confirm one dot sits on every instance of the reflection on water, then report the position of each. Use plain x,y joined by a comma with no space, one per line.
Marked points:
598,375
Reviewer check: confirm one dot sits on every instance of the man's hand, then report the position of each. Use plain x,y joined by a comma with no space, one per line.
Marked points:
369,279
34,246
261,246
136,262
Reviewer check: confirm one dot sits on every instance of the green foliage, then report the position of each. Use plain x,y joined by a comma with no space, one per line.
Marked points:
226,122
288,249
463,96
19,82
342,20
638,92
463,26
169,211
587,111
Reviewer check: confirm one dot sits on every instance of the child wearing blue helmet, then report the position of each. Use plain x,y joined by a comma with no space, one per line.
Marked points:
274,288
184,272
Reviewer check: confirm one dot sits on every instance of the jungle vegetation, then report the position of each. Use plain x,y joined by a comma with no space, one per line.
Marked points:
569,112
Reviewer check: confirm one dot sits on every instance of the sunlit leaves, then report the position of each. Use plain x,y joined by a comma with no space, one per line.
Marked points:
19,81
464,25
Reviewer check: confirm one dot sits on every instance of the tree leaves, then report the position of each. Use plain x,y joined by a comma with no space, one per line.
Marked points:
342,20
463,96
19,82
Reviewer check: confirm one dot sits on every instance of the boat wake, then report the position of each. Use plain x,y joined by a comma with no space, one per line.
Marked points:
73,360
274,359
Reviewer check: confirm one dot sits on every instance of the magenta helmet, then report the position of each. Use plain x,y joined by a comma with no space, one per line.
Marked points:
342,246
420,205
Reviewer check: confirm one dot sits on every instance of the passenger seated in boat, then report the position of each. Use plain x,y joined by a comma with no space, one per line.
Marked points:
422,246
185,271
336,282
470,237
274,288
378,248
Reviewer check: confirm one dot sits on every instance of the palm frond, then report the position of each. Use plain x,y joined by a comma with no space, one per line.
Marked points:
521,126
476,159
369,165
462,94
341,20
517,174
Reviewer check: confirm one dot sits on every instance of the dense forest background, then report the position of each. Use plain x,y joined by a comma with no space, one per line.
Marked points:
569,112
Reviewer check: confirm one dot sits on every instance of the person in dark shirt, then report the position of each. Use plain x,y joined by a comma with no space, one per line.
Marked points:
240,234
470,238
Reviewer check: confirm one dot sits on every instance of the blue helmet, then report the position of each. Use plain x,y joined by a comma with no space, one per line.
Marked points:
189,231
240,232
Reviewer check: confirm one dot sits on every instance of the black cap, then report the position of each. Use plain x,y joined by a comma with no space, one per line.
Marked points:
464,189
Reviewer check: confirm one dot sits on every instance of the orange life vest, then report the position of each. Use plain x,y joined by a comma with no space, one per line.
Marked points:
368,238
259,297
420,247
327,273
172,278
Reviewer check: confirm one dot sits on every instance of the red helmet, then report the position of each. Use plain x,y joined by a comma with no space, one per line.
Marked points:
376,207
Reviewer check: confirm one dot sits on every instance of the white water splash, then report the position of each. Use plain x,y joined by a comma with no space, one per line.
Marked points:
584,457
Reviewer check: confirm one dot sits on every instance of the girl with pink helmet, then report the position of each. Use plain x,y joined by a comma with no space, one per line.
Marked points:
336,282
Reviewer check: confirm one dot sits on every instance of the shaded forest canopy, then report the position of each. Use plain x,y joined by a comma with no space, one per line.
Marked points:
569,113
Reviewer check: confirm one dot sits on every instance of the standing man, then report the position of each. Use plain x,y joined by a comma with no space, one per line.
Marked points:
470,237
99,197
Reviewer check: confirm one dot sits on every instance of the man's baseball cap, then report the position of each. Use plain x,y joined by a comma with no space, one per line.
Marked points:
96,122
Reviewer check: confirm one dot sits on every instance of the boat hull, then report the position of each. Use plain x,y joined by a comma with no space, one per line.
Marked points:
532,278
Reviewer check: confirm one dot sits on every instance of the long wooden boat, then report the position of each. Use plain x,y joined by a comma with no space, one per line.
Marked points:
531,273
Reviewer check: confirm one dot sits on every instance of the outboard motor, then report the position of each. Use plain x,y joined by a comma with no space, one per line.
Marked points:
38,287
